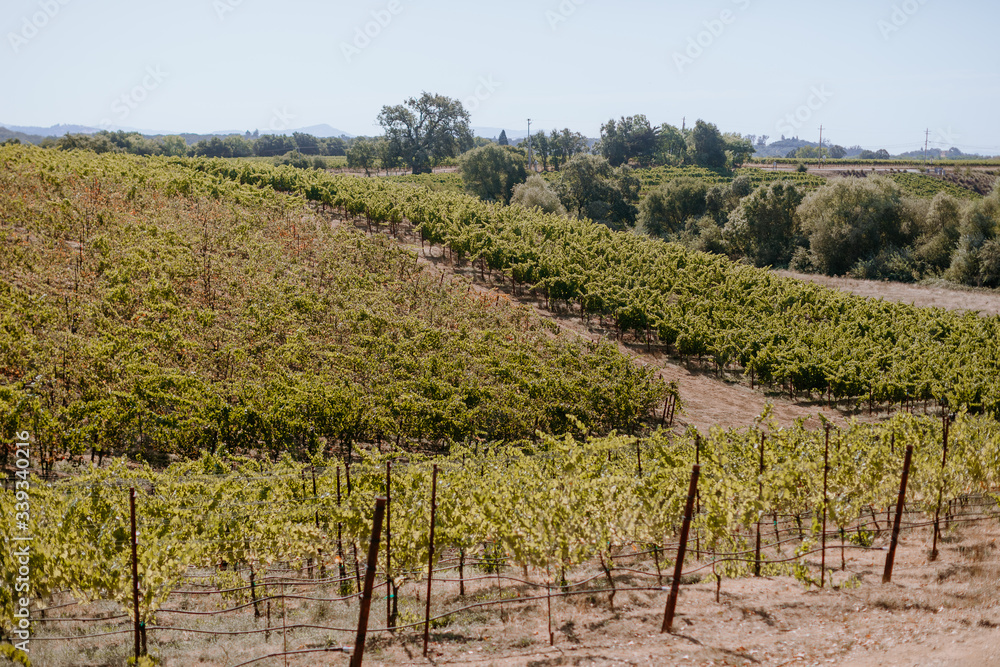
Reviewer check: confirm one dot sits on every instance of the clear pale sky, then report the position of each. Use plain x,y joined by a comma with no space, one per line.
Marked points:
872,72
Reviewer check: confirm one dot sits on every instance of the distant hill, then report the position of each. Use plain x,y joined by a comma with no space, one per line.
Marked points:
7,133
23,131
494,132
324,131
53,131
940,154
782,147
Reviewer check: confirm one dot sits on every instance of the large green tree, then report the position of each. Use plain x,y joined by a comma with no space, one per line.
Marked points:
976,260
271,145
666,209
427,128
542,147
764,225
707,146
671,146
629,138
591,188
940,230
738,149
853,219
490,172
564,145
174,145
306,144
362,154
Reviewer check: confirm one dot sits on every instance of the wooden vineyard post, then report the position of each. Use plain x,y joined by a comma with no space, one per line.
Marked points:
826,471
135,576
390,589
937,510
430,560
366,595
548,601
760,498
697,496
638,457
891,557
253,593
668,616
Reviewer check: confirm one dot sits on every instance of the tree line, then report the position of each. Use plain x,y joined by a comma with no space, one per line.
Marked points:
863,226
233,145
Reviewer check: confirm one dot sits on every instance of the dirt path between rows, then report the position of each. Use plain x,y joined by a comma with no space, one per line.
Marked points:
707,399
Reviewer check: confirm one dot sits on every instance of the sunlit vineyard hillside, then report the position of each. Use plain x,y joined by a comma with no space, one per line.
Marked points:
147,308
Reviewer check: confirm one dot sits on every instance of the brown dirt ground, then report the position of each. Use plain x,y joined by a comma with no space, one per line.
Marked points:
941,613
945,612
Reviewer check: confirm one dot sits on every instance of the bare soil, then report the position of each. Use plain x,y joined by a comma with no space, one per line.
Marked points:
944,612
941,613
984,302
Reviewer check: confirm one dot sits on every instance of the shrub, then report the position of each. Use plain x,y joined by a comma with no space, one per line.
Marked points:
667,208
851,220
536,193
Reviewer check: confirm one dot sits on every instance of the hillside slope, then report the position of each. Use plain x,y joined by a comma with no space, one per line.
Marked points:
147,308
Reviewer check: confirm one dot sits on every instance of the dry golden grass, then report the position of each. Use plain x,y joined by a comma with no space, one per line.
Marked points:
985,302
945,612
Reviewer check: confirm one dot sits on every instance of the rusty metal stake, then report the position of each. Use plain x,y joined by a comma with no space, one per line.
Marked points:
390,589
366,596
135,576
668,616
891,557
760,499
826,471
697,497
430,560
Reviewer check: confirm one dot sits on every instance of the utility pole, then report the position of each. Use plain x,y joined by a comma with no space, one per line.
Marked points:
927,138
821,145
683,123
529,145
